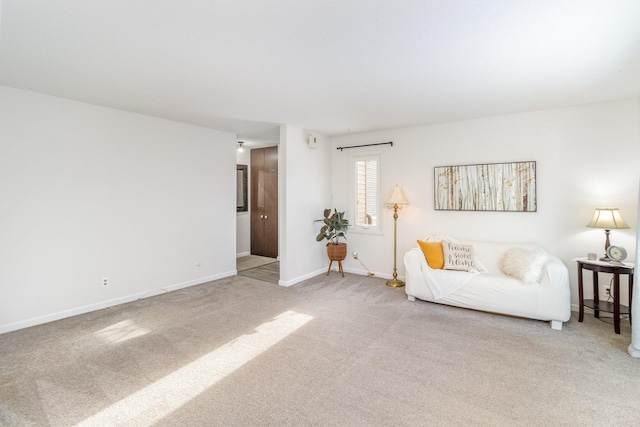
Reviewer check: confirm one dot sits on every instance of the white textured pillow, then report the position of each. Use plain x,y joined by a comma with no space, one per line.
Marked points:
524,265
458,256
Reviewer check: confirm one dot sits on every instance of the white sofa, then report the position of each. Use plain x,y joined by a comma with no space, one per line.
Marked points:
491,289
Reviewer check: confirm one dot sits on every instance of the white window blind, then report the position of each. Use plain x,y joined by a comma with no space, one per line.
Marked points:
367,191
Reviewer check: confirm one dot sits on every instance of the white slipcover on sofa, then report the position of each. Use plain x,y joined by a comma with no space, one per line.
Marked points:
490,289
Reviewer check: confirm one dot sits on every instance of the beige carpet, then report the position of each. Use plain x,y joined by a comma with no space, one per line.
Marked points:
328,351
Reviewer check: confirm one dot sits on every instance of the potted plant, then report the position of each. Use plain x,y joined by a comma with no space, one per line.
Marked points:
335,227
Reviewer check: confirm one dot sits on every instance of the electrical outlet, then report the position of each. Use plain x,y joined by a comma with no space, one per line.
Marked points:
607,291
355,255
105,281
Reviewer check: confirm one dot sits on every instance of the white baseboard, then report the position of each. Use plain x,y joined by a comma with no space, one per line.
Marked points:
287,283
109,303
243,254
376,274
359,272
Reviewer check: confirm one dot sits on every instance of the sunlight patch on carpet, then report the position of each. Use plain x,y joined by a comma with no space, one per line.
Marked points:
121,331
149,405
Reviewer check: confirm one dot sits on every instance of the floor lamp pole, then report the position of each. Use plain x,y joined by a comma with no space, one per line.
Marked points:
395,282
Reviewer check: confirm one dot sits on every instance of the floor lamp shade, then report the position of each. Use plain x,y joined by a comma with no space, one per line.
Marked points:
396,200
397,197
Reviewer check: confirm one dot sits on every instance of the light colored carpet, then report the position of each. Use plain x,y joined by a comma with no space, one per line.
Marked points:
252,261
329,351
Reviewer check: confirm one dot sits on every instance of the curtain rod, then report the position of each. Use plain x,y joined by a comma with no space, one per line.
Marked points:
365,145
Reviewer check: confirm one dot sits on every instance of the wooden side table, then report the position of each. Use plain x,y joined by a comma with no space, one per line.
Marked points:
597,305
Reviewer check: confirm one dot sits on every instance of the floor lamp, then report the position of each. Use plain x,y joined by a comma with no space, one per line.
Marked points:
396,201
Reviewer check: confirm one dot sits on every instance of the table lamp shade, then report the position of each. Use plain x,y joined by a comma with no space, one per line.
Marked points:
607,218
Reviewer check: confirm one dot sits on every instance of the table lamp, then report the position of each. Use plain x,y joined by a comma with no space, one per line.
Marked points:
607,218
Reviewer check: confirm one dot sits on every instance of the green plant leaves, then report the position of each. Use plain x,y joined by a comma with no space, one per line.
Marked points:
334,228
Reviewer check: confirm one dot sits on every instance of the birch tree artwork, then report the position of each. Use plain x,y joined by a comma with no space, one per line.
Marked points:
509,187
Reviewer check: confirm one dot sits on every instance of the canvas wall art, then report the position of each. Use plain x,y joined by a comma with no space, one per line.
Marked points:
508,187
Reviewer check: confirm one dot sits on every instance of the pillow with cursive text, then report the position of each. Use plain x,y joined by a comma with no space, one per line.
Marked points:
458,256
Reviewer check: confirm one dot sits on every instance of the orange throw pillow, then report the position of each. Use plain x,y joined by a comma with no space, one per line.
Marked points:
433,253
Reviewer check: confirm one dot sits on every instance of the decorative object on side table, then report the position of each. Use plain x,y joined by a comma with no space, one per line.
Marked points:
616,254
396,201
335,226
609,219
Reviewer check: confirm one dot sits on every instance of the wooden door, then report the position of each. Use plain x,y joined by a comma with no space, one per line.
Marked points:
264,202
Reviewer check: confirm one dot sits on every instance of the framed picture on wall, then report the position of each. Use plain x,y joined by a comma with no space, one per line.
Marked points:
242,203
506,187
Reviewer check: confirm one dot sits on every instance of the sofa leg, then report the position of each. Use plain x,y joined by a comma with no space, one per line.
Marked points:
411,298
556,324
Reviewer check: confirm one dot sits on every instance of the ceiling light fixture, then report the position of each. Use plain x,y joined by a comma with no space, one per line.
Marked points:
240,147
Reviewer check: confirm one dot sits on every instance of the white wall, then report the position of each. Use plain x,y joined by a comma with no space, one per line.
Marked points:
90,192
243,224
634,347
586,156
305,187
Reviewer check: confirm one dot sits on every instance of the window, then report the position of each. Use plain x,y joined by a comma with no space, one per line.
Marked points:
366,194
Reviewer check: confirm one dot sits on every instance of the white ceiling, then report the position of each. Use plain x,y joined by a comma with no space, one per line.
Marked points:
332,66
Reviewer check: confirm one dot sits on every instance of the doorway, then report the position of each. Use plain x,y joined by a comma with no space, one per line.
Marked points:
264,202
